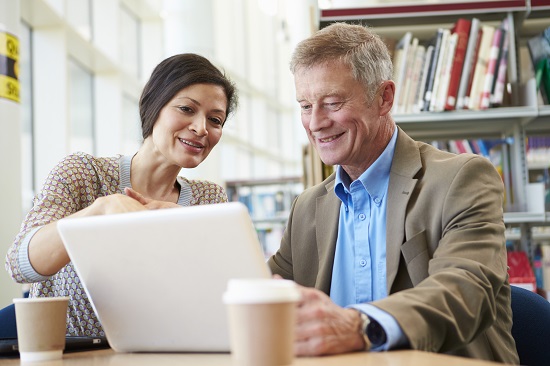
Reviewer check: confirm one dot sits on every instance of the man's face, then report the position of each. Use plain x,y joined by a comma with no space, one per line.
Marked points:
338,118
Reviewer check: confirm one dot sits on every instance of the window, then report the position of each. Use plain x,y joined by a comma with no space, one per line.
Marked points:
81,107
27,150
129,41
79,15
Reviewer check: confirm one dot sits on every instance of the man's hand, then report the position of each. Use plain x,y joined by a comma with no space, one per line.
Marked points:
324,328
149,203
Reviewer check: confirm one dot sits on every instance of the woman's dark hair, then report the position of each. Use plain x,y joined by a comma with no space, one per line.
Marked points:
174,74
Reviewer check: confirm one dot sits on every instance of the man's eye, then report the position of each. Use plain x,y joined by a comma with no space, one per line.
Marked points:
306,107
334,106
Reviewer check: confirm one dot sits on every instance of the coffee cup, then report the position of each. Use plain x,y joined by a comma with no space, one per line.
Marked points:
41,327
261,314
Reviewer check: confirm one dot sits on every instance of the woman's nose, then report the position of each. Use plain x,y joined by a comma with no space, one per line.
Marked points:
198,125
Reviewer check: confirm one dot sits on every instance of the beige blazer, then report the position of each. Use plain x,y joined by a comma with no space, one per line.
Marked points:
446,254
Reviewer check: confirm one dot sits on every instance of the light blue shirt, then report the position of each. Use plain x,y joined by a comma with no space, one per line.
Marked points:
359,270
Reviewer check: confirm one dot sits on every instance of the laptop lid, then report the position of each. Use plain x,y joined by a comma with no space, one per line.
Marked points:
156,278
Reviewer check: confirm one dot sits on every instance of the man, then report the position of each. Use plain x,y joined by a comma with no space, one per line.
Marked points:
408,241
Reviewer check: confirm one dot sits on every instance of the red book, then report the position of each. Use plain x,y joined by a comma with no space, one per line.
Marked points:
462,29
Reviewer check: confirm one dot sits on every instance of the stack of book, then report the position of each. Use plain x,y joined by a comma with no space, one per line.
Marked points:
460,68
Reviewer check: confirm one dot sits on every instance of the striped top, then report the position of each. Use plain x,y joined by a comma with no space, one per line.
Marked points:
74,184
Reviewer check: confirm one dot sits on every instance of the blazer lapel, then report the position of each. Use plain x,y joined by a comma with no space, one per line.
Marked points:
406,163
327,211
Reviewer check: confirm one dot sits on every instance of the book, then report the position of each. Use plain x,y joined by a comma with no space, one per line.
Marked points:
497,94
407,76
468,90
539,46
462,29
438,68
492,61
469,59
419,104
436,41
441,97
400,57
542,77
481,67
415,77
539,49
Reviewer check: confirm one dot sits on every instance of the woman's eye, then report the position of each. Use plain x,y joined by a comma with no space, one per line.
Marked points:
217,121
185,109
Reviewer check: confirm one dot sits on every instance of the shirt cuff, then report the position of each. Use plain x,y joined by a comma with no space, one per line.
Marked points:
395,338
27,271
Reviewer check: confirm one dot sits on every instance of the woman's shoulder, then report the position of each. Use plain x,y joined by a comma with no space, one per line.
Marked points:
88,162
204,191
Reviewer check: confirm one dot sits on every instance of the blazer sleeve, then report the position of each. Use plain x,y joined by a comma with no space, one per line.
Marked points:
460,218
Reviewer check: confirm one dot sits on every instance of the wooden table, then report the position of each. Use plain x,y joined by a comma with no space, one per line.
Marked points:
108,357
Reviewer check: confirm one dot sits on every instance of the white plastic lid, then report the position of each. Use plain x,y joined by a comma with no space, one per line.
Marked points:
40,299
260,290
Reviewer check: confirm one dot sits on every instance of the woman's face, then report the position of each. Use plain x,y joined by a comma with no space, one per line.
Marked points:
190,124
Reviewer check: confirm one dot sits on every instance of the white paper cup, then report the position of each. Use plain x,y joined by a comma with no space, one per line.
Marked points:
261,321
41,327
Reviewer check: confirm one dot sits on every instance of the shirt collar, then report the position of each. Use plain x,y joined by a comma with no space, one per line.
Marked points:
375,179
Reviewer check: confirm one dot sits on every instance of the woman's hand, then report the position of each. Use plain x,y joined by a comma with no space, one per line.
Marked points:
149,203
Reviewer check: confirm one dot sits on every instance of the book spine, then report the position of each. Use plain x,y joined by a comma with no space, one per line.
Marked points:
481,68
468,90
439,67
491,67
446,73
432,70
415,78
407,76
462,29
468,63
401,51
497,96
422,84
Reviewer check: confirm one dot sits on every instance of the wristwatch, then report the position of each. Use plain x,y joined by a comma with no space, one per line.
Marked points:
372,332
365,321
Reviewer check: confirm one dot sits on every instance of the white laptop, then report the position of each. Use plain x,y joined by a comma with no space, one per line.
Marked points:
156,278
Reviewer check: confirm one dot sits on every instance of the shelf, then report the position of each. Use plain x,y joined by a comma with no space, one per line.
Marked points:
527,217
421,19
417,12
540,124
263,182
493,122
536,237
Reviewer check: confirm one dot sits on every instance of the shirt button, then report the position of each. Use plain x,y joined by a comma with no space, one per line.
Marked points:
377,200
361,216
363,262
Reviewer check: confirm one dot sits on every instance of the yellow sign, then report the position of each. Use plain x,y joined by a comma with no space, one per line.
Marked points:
9,67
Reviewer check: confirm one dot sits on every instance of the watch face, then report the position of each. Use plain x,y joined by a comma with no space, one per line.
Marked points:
376,333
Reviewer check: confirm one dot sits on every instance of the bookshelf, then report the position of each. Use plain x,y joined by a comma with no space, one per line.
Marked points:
268,202
520,116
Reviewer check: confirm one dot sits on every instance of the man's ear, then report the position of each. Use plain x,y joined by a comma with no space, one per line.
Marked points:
385,97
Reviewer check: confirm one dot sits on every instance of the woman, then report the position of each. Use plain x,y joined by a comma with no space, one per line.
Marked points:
183,108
